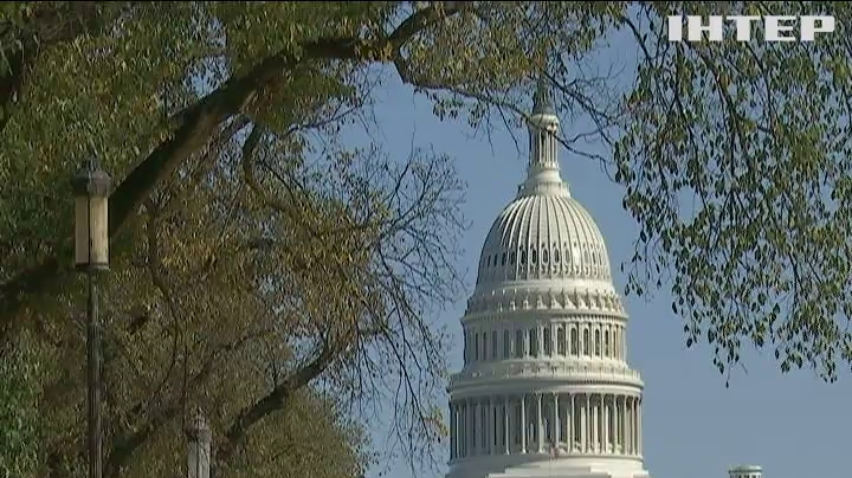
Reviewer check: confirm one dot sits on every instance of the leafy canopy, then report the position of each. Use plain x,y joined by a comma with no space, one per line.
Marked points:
260,267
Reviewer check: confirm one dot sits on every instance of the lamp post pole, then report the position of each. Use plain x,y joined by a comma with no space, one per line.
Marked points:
91,255
93,348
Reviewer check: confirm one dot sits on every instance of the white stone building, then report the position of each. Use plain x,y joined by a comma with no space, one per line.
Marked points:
748,471
546,390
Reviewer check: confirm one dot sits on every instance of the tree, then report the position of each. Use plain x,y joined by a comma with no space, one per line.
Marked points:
19,434
258,270
249,248
754,136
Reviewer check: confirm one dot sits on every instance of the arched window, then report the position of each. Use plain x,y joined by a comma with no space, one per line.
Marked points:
519,344
560,340
544,255
533,343
484,354
503,259
597,343
606,344
523,257
586,345
512,258
476,347
533,256
556,256
547,342
575,342
494,345
507,344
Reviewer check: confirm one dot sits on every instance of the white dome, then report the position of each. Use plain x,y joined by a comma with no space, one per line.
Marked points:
546,389
543,235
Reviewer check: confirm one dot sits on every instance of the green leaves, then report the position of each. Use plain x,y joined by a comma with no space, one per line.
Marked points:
243,264
756,137
20,423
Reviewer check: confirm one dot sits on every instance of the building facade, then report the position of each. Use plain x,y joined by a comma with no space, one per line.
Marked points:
746,471
546,389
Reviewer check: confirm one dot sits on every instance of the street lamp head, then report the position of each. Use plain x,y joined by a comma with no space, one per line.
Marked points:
91,180
91,187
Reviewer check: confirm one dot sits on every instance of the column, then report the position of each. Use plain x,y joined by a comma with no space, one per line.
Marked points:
458,430
620,415
606,419
584,410
639,427
596,433
523,424
590,417
492,425
563,418
494,438
468,416
477,427
539,422
462,433
482,431
452,432
569,422
556,419
486,427
506,425
635,425
628,429
471,430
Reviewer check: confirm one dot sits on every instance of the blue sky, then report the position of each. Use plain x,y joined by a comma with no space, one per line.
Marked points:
793,425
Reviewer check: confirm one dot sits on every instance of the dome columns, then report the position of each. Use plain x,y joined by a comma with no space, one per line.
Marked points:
579,423
597,339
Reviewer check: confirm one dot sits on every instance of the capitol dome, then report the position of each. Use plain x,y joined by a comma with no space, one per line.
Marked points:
543,236
546,390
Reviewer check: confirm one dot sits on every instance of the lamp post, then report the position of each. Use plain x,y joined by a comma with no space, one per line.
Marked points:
91,255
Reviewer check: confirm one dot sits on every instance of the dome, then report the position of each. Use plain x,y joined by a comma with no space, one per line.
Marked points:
544,233
543,236
545,389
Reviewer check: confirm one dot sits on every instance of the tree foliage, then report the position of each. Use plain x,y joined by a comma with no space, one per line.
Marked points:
259,266
21,424
737,168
